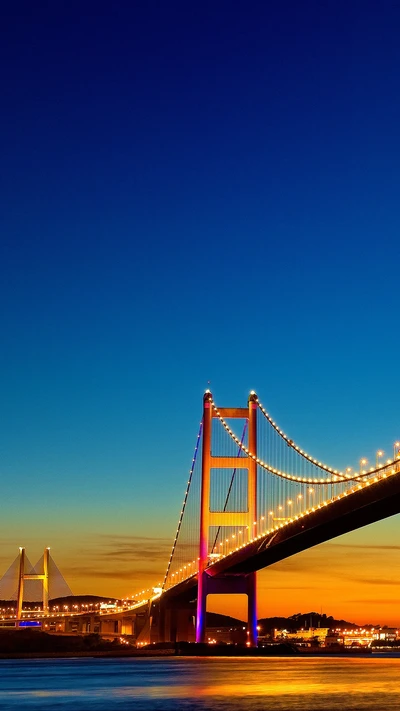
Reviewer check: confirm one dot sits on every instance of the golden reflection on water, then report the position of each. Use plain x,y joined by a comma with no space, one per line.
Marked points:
205,684
274,678
296,678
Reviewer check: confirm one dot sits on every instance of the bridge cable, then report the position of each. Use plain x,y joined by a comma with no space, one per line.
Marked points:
337,478
196,449
292,444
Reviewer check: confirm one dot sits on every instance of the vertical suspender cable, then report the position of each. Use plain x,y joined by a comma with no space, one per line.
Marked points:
230,485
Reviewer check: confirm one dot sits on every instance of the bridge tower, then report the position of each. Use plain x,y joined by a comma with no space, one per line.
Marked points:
225,584
33,576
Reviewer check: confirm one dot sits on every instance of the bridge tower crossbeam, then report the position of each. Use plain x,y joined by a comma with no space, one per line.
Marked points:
226,584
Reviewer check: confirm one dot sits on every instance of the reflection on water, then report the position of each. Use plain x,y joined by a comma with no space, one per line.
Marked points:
214,684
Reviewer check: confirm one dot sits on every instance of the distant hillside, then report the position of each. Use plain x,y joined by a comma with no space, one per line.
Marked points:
81,600
68,600
267,624
213,619
306,619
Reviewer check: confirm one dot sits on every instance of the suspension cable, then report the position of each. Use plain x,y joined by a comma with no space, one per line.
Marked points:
196,449
266,466
292,444
315,462
336,477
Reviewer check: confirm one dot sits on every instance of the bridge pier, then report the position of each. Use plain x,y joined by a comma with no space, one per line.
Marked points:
174,623
252,609
245,584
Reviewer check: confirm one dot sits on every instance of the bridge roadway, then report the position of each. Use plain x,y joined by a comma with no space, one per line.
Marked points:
156,618
122,621
368,501
372,502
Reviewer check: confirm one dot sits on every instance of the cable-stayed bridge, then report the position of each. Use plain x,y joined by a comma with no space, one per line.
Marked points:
24,581
253,497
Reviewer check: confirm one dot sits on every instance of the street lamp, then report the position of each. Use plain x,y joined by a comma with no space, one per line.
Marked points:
396,453
363,462
379,454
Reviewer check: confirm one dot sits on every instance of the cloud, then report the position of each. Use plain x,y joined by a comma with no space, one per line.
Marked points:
130,538
134,554
374,601
268,588
111,574
367,546
376,581
130,548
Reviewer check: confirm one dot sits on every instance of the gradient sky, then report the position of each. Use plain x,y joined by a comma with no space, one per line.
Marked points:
195,192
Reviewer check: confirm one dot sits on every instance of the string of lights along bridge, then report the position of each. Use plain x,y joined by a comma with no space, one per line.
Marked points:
291,484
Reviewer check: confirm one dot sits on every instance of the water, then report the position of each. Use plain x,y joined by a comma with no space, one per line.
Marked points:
203,684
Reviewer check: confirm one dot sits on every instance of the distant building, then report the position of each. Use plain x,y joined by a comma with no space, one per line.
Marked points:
333,639
386,634
359,637
227,635
304,634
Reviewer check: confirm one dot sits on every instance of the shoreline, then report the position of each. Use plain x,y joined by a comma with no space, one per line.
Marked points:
191,652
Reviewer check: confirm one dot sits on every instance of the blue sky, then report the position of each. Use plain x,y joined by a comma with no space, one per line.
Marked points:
190,194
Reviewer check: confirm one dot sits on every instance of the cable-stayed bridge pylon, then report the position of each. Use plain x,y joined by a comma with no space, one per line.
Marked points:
25,582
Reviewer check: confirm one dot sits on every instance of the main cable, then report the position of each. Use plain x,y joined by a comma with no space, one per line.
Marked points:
196,449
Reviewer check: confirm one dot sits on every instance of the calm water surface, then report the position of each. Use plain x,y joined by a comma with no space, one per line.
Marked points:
212,684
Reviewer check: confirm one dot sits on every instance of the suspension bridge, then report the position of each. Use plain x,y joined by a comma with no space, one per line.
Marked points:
253,497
